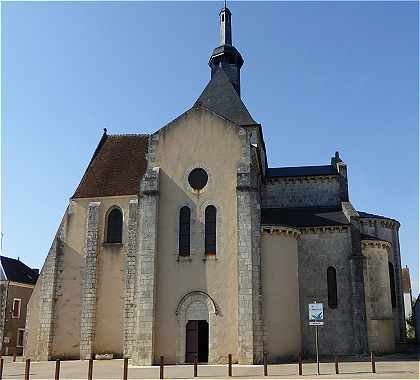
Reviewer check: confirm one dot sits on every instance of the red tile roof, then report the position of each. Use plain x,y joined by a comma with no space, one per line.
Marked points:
116,167
406,283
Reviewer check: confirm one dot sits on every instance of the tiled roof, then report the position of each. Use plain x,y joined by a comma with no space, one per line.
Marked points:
16,271
303,216
406,282
116,167
302,171
221,97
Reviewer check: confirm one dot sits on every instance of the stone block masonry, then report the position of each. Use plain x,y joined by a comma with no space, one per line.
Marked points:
130,270
302,192
49,283
88,316
142,353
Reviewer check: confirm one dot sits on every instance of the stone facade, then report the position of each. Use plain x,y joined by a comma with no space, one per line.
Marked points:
88,316
301,192
49,282
146,279
277,232
130,276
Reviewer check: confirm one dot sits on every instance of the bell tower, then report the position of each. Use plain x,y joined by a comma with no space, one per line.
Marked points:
225,57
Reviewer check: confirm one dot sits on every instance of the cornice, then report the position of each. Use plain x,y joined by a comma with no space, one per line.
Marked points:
281,230
387,223
376,243
315,230
303,179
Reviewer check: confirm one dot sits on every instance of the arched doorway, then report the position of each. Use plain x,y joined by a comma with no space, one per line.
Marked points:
196,313
197,341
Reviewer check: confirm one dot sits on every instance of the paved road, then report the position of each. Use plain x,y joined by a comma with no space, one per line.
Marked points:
112,369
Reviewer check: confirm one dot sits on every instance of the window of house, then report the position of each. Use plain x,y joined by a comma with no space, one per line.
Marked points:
20,335
184,231
332,287
392,284
16,307
114,226
210,230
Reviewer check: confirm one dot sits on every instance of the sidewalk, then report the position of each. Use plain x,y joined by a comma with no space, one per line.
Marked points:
112,369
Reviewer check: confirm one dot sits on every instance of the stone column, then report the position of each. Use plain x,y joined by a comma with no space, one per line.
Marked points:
146,274
130,272
88,317
358,289
49,282
245,268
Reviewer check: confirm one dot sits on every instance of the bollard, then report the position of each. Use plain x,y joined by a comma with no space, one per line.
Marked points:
372,360
336,366
27,368
1,368
125,369
162,363
90,370
57,370
229,365
265,364
14,356
195,366
300,363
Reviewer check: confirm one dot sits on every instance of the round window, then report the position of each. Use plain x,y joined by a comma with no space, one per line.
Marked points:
198,178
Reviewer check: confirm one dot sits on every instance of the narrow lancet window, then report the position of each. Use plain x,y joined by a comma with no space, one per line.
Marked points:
210,230
332,287
114,226
184,231
392,284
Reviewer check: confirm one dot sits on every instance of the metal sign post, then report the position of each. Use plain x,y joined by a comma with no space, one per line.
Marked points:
316,316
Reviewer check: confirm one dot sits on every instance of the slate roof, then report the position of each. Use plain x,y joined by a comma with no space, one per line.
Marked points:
302,171
366,215
16,271
221,97
304,216
116,167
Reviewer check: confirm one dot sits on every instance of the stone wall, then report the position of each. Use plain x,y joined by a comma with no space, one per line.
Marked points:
318,249
49,282
387,229
302,191
146,273
130,275
378,296
3,302
88,317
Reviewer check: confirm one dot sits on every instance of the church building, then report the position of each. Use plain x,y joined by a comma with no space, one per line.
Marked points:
184,243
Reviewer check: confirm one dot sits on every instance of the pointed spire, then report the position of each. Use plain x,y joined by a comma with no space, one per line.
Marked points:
225,57
225,26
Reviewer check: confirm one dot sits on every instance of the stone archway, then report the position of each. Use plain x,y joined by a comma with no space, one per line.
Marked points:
196,305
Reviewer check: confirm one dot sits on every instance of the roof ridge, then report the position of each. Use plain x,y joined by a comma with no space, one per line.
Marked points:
130,135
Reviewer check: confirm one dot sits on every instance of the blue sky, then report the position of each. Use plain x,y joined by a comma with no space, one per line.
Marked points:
319,77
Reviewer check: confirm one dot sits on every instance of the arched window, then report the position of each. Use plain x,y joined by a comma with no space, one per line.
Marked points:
114,226
184,231
210,230
392,283
332,287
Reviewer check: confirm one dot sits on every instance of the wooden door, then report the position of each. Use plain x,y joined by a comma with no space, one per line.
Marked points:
191,348
197,341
